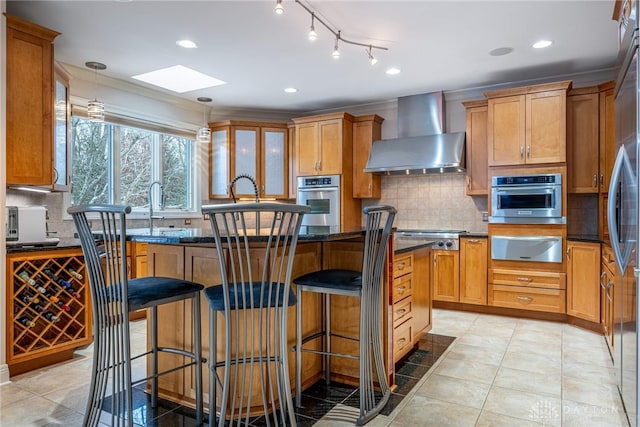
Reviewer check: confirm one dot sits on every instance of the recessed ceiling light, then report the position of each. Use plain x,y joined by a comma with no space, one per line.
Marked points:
179,79
500,51
291,90
187,44
542,44
393,71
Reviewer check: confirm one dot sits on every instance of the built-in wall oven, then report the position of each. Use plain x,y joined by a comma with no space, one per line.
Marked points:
322,195
527,199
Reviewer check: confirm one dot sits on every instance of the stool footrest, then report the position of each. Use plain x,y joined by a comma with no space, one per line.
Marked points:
159,374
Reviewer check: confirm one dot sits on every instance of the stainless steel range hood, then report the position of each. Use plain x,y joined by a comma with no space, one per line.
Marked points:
421,146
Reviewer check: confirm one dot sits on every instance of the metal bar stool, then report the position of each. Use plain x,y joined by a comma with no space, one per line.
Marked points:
252,302
113,296
367,285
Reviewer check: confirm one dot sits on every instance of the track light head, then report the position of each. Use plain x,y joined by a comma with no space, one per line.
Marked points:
279,9
312,30
372,59
336,52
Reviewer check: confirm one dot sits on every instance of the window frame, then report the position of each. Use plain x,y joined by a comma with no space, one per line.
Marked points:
114,177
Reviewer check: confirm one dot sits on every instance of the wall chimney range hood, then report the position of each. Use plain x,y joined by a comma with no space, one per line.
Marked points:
421,146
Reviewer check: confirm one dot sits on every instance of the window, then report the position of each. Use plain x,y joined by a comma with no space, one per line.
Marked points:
114,163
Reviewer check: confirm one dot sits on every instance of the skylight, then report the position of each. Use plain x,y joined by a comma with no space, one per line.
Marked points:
179,79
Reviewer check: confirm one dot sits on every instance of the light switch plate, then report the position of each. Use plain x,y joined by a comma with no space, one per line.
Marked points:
485,216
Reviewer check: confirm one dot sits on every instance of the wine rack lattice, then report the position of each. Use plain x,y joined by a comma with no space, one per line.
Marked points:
49,302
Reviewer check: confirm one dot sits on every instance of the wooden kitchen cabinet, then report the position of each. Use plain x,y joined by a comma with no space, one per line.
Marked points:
366,129
583,140
445,276
422,293
324,145
291,141
609,305
527,289
607,134
473,270
257,149
476,148
527,125
30,112
583,280
34,338
402,299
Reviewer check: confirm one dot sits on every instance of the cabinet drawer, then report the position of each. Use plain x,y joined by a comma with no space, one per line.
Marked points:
402,311
402,340
402,287
402,265
521,297
535,279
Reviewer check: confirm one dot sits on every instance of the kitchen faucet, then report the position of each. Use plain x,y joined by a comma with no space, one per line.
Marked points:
255,191
151,217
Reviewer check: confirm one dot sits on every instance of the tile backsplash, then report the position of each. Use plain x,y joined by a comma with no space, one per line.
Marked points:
433,202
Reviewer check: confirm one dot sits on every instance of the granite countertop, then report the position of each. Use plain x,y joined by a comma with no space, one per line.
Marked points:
407,245
474,234
589,238
64,243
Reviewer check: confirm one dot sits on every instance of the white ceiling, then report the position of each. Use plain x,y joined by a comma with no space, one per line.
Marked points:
438,45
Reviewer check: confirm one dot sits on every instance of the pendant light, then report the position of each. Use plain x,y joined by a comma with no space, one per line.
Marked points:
204,133
95,108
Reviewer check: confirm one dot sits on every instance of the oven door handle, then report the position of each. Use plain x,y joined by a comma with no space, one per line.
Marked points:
316,189
533,238
532,189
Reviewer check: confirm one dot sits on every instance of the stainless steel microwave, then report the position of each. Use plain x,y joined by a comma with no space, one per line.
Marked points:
527,199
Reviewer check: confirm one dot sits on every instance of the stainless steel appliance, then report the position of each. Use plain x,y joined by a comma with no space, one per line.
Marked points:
623,221
448,240
27,226
527,199
527,248
322,195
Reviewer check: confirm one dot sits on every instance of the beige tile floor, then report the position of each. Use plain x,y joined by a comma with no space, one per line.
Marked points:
500,371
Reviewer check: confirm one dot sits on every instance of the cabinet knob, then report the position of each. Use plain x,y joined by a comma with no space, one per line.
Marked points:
400,266
401,289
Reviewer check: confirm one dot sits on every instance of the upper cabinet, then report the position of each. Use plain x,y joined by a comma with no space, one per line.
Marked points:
324,145
249,148
527,125
583,140
61,130
30,112
607,134
366,129
476,150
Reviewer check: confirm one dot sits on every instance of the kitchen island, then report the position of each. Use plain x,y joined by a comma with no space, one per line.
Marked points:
190,254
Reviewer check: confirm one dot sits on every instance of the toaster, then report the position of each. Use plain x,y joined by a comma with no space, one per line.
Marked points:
27,226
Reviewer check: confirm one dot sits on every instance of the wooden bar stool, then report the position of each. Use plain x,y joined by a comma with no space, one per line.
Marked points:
252,302
113,296
367,285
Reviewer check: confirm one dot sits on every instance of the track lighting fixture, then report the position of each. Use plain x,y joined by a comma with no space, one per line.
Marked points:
312,30
337,33
372,59
279,9
336,52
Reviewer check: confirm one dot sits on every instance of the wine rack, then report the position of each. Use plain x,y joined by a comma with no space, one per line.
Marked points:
49,307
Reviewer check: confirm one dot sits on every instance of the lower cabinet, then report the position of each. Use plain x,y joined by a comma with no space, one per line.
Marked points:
445,276
527,290
412,299
583,284
609,309
473,270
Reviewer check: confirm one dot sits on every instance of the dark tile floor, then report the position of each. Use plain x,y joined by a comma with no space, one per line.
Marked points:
317,401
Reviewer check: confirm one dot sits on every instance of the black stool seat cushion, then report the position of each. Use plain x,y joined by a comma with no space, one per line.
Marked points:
215,296
145,290
332,278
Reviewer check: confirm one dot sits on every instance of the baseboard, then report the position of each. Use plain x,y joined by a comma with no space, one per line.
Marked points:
4,374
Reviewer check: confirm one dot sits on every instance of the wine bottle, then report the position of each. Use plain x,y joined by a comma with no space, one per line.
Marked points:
75,274
24,320
50,316
29,298
27,279
38,307
63,306
62,283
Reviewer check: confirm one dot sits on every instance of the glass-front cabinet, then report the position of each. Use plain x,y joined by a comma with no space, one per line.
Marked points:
61,131
256,149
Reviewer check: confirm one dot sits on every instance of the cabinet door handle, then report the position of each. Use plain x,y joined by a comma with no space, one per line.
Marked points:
473,241
521,152
609,284
319,165
524,279
400,266
601,180
401,341
401,289
401,313
528,151
524,299
568,253
369,187
595,180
